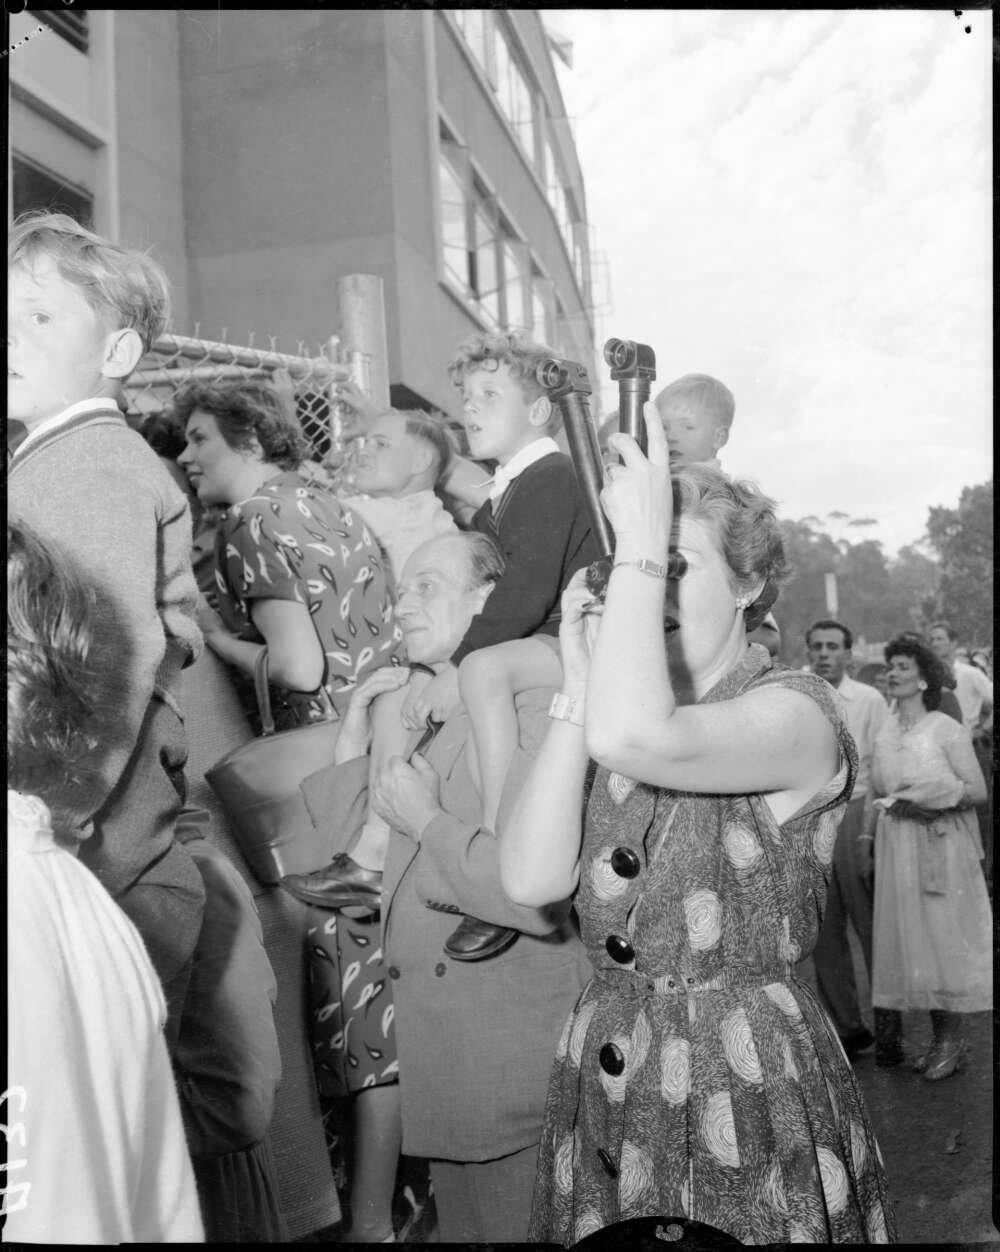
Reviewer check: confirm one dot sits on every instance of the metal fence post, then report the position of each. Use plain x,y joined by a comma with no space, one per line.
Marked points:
362,327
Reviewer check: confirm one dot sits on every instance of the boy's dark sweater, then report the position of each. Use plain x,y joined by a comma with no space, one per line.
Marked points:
541,527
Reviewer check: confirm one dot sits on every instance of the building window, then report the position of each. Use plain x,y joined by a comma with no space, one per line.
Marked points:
514,287
550,173
559,197
484,260
565,214
485,277
36,187
70,23
504,68
454,225
580,265
541,308
564,339
514,94
475,25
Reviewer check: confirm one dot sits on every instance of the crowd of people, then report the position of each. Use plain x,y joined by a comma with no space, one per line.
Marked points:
566,856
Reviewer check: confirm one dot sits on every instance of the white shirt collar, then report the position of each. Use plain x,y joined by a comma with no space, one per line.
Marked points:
519,462
52,423
845,685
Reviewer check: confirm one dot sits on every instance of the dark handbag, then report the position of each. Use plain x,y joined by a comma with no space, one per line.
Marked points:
258,786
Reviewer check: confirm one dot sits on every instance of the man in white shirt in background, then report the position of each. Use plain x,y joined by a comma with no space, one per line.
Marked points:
973,689
849,895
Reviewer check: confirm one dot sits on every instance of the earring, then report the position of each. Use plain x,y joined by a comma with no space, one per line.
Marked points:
742,603
921,686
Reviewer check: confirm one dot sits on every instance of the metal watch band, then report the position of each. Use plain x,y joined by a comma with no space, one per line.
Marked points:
566,708
653,568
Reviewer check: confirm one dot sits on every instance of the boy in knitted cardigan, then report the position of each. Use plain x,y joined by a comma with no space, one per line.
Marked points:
82,313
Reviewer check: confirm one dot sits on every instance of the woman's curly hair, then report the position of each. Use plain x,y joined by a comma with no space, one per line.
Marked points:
742,519
50,689
245,411
933,671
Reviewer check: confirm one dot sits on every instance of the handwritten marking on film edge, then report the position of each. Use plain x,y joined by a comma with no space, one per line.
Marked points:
14,1196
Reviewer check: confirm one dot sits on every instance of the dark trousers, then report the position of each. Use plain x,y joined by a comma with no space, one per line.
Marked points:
485,1201
847,899
135,856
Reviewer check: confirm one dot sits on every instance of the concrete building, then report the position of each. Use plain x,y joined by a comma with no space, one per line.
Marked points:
265,154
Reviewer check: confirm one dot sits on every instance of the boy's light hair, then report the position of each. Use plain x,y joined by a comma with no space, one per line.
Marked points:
705,393
488,352
127,289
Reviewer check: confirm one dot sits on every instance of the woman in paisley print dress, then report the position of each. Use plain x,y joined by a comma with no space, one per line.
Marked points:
696,1077
301,574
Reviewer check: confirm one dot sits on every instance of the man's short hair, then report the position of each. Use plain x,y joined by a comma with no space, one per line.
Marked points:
705,393
126,288
947,627
488,352
484,562
827,623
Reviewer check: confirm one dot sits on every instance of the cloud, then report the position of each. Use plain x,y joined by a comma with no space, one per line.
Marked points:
800,204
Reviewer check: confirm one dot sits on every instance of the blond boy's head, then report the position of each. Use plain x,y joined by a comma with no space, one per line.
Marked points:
504,407
83,311
697,412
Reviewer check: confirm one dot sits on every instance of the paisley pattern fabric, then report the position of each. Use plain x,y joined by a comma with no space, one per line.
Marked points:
696,1077
353,1036
291,541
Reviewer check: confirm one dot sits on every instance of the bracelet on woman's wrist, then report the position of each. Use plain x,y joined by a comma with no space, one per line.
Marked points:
566,708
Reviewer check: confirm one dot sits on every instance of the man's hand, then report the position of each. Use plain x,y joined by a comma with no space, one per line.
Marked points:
208,620
407,796
438,699
356,728
362,408
581,615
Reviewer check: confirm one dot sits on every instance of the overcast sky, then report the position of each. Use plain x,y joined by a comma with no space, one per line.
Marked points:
800,204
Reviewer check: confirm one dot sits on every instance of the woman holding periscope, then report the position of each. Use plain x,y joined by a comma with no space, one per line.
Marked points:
696,1077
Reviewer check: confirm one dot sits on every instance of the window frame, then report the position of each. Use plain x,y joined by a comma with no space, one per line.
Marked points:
459,171
72,24
76,190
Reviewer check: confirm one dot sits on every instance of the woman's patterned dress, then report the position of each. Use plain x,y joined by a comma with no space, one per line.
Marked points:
696,1077
294,542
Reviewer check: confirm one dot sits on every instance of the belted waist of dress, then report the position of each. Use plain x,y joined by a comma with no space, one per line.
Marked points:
643,983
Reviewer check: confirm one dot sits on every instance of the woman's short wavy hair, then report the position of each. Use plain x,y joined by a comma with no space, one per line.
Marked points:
245,411
741,518
51,693
933,671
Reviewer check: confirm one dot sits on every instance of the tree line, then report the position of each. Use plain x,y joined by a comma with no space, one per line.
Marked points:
947,573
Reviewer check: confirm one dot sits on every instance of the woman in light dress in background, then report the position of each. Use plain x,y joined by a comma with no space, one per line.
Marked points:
933,923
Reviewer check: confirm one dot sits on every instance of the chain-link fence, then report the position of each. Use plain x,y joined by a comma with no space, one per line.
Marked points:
307,383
